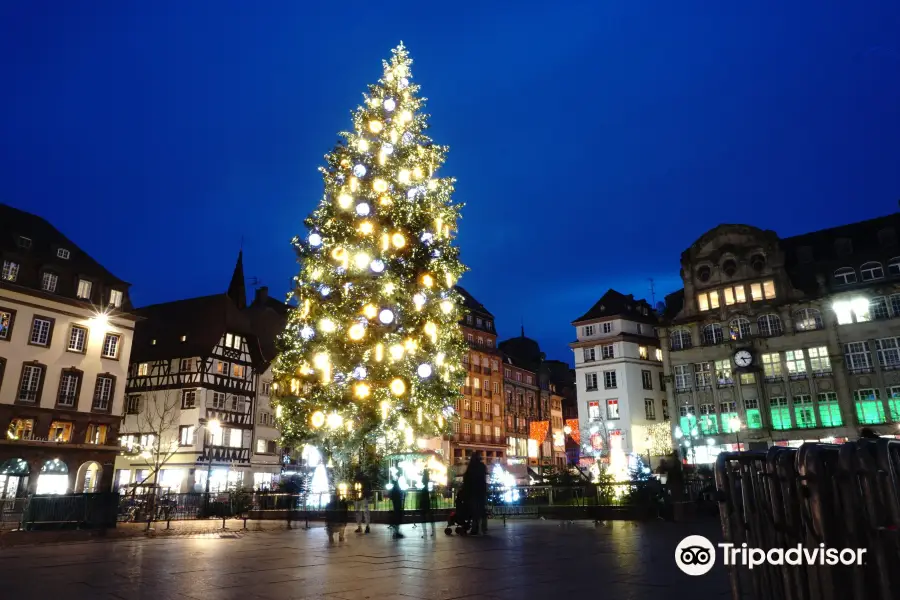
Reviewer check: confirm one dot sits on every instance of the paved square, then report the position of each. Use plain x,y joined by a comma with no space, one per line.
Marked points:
525,559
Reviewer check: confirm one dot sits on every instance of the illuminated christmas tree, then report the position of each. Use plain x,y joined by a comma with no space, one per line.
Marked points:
371,356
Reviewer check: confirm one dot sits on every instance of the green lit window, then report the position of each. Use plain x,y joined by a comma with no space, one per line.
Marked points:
688,421
754,417
728,412
804,413
709,422
829,411
781,413
894,403
869,408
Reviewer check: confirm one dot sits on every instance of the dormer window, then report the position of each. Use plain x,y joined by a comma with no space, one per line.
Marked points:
233,341
871,271
758,262
62,253
729,267
23,242
49,281
184,338
84,289
115,298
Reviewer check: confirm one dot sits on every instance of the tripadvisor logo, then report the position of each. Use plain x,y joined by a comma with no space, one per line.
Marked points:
696,555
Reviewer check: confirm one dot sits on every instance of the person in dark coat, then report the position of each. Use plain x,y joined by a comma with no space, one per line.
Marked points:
362,489
867,433
336,515
396,496
475,486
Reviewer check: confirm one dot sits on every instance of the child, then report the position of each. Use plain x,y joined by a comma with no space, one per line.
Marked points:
336,518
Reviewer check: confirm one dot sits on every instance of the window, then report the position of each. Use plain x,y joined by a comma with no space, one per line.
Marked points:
593,411
845,276
829,410
848,311
111,345
713,334
709,423
23,242
734,295
724,375
608,351
529,380
238,371
708,300
518,376
729,416
133,405
186,435
235,438
186,365
496,408
647,380
222,367
754,417
32,379
115,299
10,270
266,388
218,401
869,408
729,296
260,446
477,407
878,308
497,387
69,382
756,291
871,271
888,353
781,414
894,266
40,331
804,413
588,330
682,377
188,399
607,328
639,329
233,341
62,253
703,374
497,432
772,365
470,338
768,289
642,352
96,434
7,318
769,325
895,304
477,428
77,339
609,380
796,365
20,429
103,393
49,281
657,353
894,403
612,409
84,289
808,319
858,358
60,431
681,339
819,362
688,420
649,409
739,328
469,319
489,325
748,378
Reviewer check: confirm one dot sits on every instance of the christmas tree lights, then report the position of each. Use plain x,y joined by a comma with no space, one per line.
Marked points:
372,355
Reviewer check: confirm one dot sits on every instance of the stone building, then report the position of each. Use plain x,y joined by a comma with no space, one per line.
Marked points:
619,375
781,340
66,329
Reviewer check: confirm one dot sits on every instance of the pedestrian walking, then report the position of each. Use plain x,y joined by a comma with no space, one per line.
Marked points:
475,486
336,517
362,487
396,495
425,504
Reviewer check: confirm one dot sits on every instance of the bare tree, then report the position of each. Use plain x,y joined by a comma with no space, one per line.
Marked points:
155,433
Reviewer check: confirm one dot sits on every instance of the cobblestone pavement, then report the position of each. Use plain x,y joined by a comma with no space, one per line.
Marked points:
524,559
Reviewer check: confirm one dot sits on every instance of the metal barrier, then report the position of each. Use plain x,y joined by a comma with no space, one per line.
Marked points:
817,496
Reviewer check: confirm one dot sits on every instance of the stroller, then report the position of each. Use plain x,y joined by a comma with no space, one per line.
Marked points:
460,516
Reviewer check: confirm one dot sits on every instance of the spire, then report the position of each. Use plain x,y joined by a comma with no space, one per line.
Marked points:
236,289
523,330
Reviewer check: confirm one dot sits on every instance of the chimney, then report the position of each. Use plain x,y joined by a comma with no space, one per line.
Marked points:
262,294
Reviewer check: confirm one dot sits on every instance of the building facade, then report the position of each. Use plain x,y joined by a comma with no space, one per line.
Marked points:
66,332
781,340
479,425
197,414
619,375
522,402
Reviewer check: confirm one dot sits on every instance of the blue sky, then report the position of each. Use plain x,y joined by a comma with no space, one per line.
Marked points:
592,142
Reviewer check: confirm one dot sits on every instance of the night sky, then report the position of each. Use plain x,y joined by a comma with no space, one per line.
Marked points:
592,143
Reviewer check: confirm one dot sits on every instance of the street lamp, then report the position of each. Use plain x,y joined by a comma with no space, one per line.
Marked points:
736,428
212,428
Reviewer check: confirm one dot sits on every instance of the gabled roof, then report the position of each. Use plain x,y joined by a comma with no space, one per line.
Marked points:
615,304
472,304
202,321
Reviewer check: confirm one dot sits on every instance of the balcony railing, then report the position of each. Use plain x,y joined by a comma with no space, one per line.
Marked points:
488,416
486,370
861,370
226,454
476,368
467,414
822,373
467,390
228,417
476,392
487,393
796,376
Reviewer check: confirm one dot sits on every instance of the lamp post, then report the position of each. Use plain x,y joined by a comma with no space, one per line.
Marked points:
736,427
211,428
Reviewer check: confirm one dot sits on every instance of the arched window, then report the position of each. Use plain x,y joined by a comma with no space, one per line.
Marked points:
894,266
740,328
681,339
808,319
769,325
713,334
871,271
845,276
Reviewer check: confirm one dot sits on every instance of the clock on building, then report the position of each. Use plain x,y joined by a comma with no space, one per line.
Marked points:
743,358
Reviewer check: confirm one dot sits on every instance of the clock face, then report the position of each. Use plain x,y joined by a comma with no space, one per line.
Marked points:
743,358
